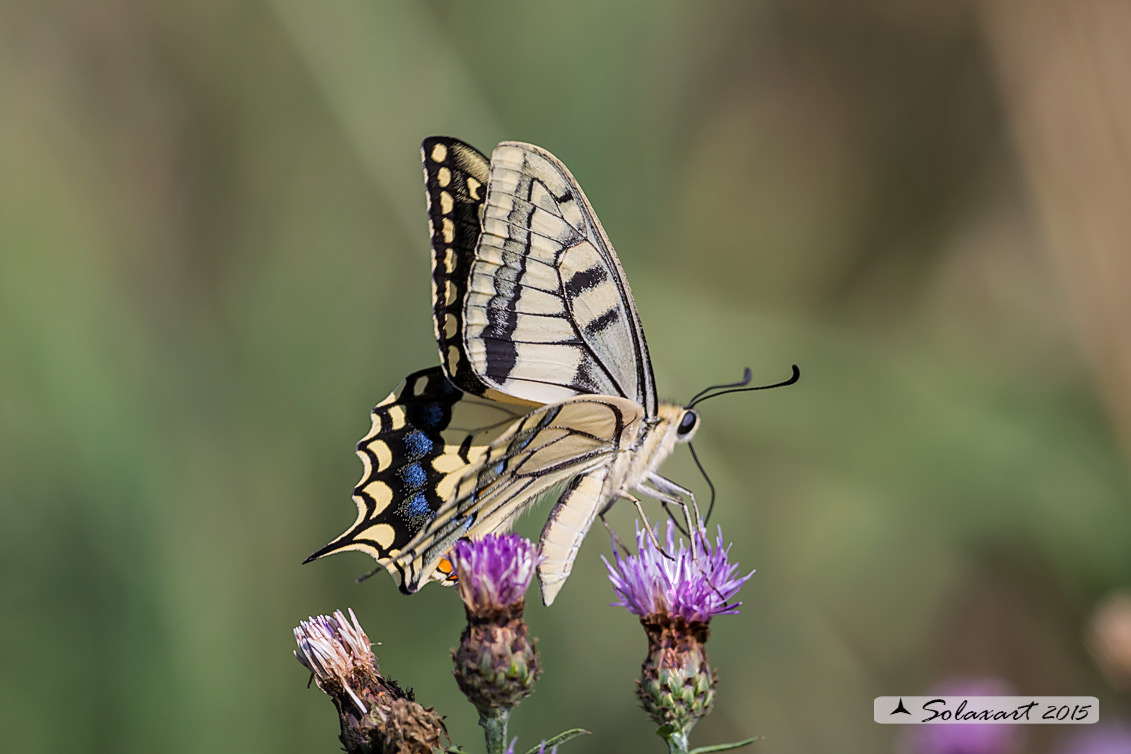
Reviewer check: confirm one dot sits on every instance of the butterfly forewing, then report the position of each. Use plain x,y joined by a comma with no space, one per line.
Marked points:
548,312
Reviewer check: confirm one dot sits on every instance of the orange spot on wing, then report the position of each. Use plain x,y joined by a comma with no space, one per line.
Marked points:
445,567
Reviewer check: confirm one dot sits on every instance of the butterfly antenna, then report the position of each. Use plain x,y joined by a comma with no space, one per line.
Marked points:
740,387
746,377
710,484
714,392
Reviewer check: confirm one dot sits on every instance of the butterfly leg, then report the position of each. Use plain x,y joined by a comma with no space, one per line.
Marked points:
666,500
617,541
648,528
667,491
679,495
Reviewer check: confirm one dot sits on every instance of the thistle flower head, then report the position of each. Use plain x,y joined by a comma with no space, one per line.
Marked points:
374,714
676,591
337,652
496,663
692,585
494,571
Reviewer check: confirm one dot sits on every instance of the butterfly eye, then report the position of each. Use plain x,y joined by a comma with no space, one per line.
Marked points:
688,423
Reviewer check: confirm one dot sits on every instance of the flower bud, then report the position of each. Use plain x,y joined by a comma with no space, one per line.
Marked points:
677,684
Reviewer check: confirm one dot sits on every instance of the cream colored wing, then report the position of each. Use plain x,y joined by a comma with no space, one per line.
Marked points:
548,313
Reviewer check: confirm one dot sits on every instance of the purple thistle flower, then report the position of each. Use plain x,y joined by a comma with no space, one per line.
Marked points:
496,663
676,591
695,587
494,571
1109,638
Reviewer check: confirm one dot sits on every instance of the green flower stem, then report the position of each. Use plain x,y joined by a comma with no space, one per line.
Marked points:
494,723
676,738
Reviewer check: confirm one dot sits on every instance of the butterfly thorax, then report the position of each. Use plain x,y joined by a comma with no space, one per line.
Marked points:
652,441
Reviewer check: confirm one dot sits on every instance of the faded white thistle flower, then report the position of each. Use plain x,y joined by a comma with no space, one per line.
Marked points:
375,715
335,651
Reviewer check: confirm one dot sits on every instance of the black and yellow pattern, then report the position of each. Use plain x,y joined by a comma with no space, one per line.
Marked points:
423,433
455,180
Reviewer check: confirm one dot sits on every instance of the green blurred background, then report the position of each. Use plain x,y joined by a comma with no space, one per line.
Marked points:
214,262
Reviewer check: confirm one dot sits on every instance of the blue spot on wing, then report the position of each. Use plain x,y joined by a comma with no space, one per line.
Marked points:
414,476
416,510
417,445
430,415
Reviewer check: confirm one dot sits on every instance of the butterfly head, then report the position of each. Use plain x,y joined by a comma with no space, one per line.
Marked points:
674,423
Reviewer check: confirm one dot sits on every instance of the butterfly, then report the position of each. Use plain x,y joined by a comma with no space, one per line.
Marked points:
545,380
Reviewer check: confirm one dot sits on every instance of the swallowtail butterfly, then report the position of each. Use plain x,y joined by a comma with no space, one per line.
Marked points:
544,380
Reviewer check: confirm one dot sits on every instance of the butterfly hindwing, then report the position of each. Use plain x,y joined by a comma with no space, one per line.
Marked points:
423,438
566,526
543,449
548,312
441,464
